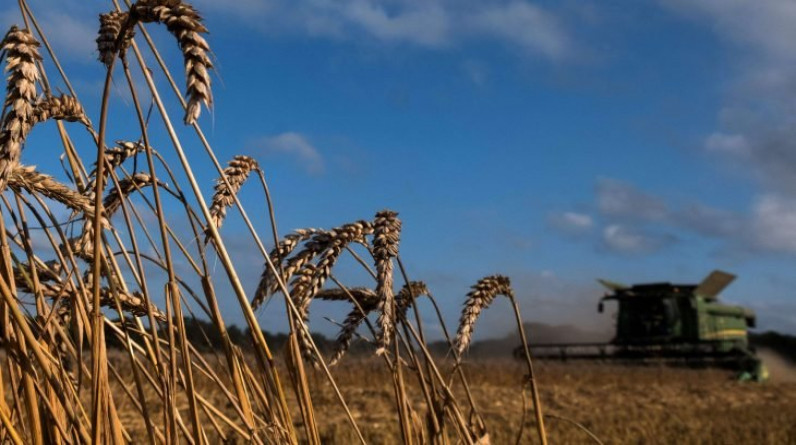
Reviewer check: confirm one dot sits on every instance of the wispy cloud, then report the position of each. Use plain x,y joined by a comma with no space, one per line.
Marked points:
728,144
71,30
294,145
523,24
620,199
756,121
774,223
428,24
638,221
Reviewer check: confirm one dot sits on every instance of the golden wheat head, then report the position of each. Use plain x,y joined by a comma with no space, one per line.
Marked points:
386,236
21,54
481,295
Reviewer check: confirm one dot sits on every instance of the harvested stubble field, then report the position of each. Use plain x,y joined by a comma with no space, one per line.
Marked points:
619,404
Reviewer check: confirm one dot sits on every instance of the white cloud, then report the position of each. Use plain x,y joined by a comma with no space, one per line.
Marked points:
623,239
774,223
428,23
295,145
710,221
572,222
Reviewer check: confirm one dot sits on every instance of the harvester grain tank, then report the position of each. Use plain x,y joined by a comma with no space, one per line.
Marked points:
678,322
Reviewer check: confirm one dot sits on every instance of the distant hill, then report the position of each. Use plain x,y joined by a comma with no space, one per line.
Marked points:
538,333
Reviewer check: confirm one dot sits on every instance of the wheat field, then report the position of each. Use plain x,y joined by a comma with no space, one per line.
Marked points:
127,243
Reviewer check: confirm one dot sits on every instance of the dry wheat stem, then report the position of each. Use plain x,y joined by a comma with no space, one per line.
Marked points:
238,170
386,236
479,298
21,53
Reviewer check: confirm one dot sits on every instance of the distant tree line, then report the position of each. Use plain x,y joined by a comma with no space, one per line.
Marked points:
205,338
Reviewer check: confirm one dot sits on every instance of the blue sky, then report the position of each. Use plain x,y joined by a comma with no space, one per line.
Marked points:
552,141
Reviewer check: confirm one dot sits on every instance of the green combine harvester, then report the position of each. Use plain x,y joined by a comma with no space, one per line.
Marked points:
664,322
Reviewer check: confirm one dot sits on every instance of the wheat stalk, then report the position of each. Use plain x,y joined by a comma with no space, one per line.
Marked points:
238,170
386,236
21,52
481,295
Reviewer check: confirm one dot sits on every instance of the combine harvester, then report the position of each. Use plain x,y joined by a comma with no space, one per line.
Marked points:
664,322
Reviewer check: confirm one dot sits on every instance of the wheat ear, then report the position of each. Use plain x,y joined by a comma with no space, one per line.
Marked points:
362,295
21,52
338,239
407,295
386,236
279,253
300,293
365,301
115,156
481,295
62,107
238,170
25,177
127,185
185,23
112,25
350,325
